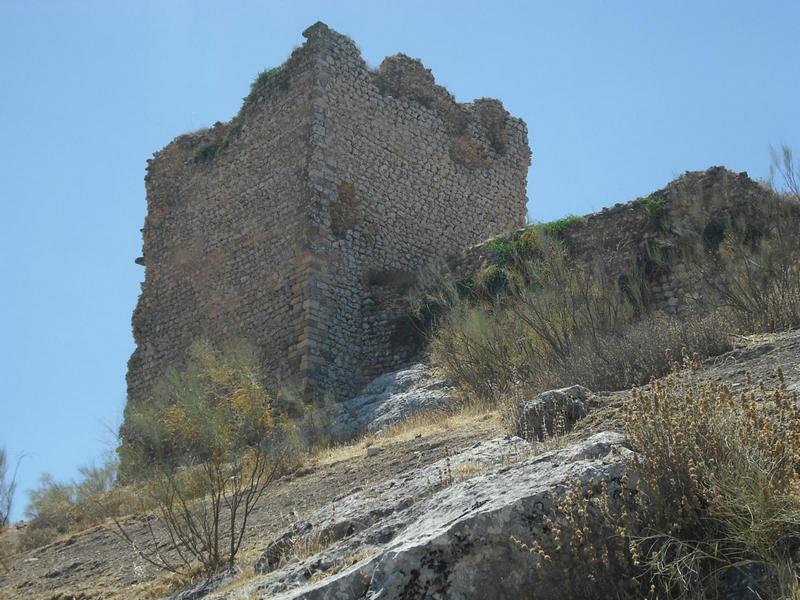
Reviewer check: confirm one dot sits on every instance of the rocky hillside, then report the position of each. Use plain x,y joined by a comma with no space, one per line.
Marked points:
424,504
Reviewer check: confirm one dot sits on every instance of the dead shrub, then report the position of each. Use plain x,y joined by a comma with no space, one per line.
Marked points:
786,170
715,508
8,485
746,252
549,307
723,478
592,535
645,349
757,280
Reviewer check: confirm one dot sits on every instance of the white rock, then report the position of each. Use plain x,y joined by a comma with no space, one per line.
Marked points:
538,417
390,398
442,531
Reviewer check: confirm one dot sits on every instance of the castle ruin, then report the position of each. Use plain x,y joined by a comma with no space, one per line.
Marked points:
298,224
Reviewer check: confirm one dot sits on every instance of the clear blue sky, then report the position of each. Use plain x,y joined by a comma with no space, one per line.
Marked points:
619,97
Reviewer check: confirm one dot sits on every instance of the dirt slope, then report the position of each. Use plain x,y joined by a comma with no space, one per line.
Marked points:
97,564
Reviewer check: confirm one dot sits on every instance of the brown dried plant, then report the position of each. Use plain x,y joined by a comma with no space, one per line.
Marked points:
722,473
592,535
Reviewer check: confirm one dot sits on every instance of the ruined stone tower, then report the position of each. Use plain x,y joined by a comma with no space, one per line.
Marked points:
297,224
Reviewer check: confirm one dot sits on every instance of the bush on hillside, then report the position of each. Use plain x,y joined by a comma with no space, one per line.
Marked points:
489,347
594,529
746,251
723,475
8,485
56,508
646,348
557,324
204,446
714,507
757,279
786,170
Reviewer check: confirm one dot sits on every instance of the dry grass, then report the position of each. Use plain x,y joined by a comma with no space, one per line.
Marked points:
723,473
714,505
590,534
165,584
556,322
421,425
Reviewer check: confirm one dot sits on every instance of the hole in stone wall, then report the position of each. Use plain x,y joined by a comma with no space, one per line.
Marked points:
466,151
713,235
396,279
493,118
345,211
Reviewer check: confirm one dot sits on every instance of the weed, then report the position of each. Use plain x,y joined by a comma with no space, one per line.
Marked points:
212,152
559,226
591,532
263,77
204,153
655,207
259,81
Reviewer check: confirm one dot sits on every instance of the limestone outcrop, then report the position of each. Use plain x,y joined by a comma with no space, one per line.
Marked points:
391,398
440,531
553,412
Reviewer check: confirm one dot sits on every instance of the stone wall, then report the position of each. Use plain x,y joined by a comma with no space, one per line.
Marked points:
298,225
224,237
401,173
656,238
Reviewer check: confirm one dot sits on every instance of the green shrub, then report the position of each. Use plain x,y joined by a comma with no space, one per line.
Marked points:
655,207
559,226
56,508
262,78
204,153
513,249
204,447
259,81
212,152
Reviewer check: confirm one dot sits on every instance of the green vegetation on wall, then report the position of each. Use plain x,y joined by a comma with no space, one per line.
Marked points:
559,226
212,151
655,207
